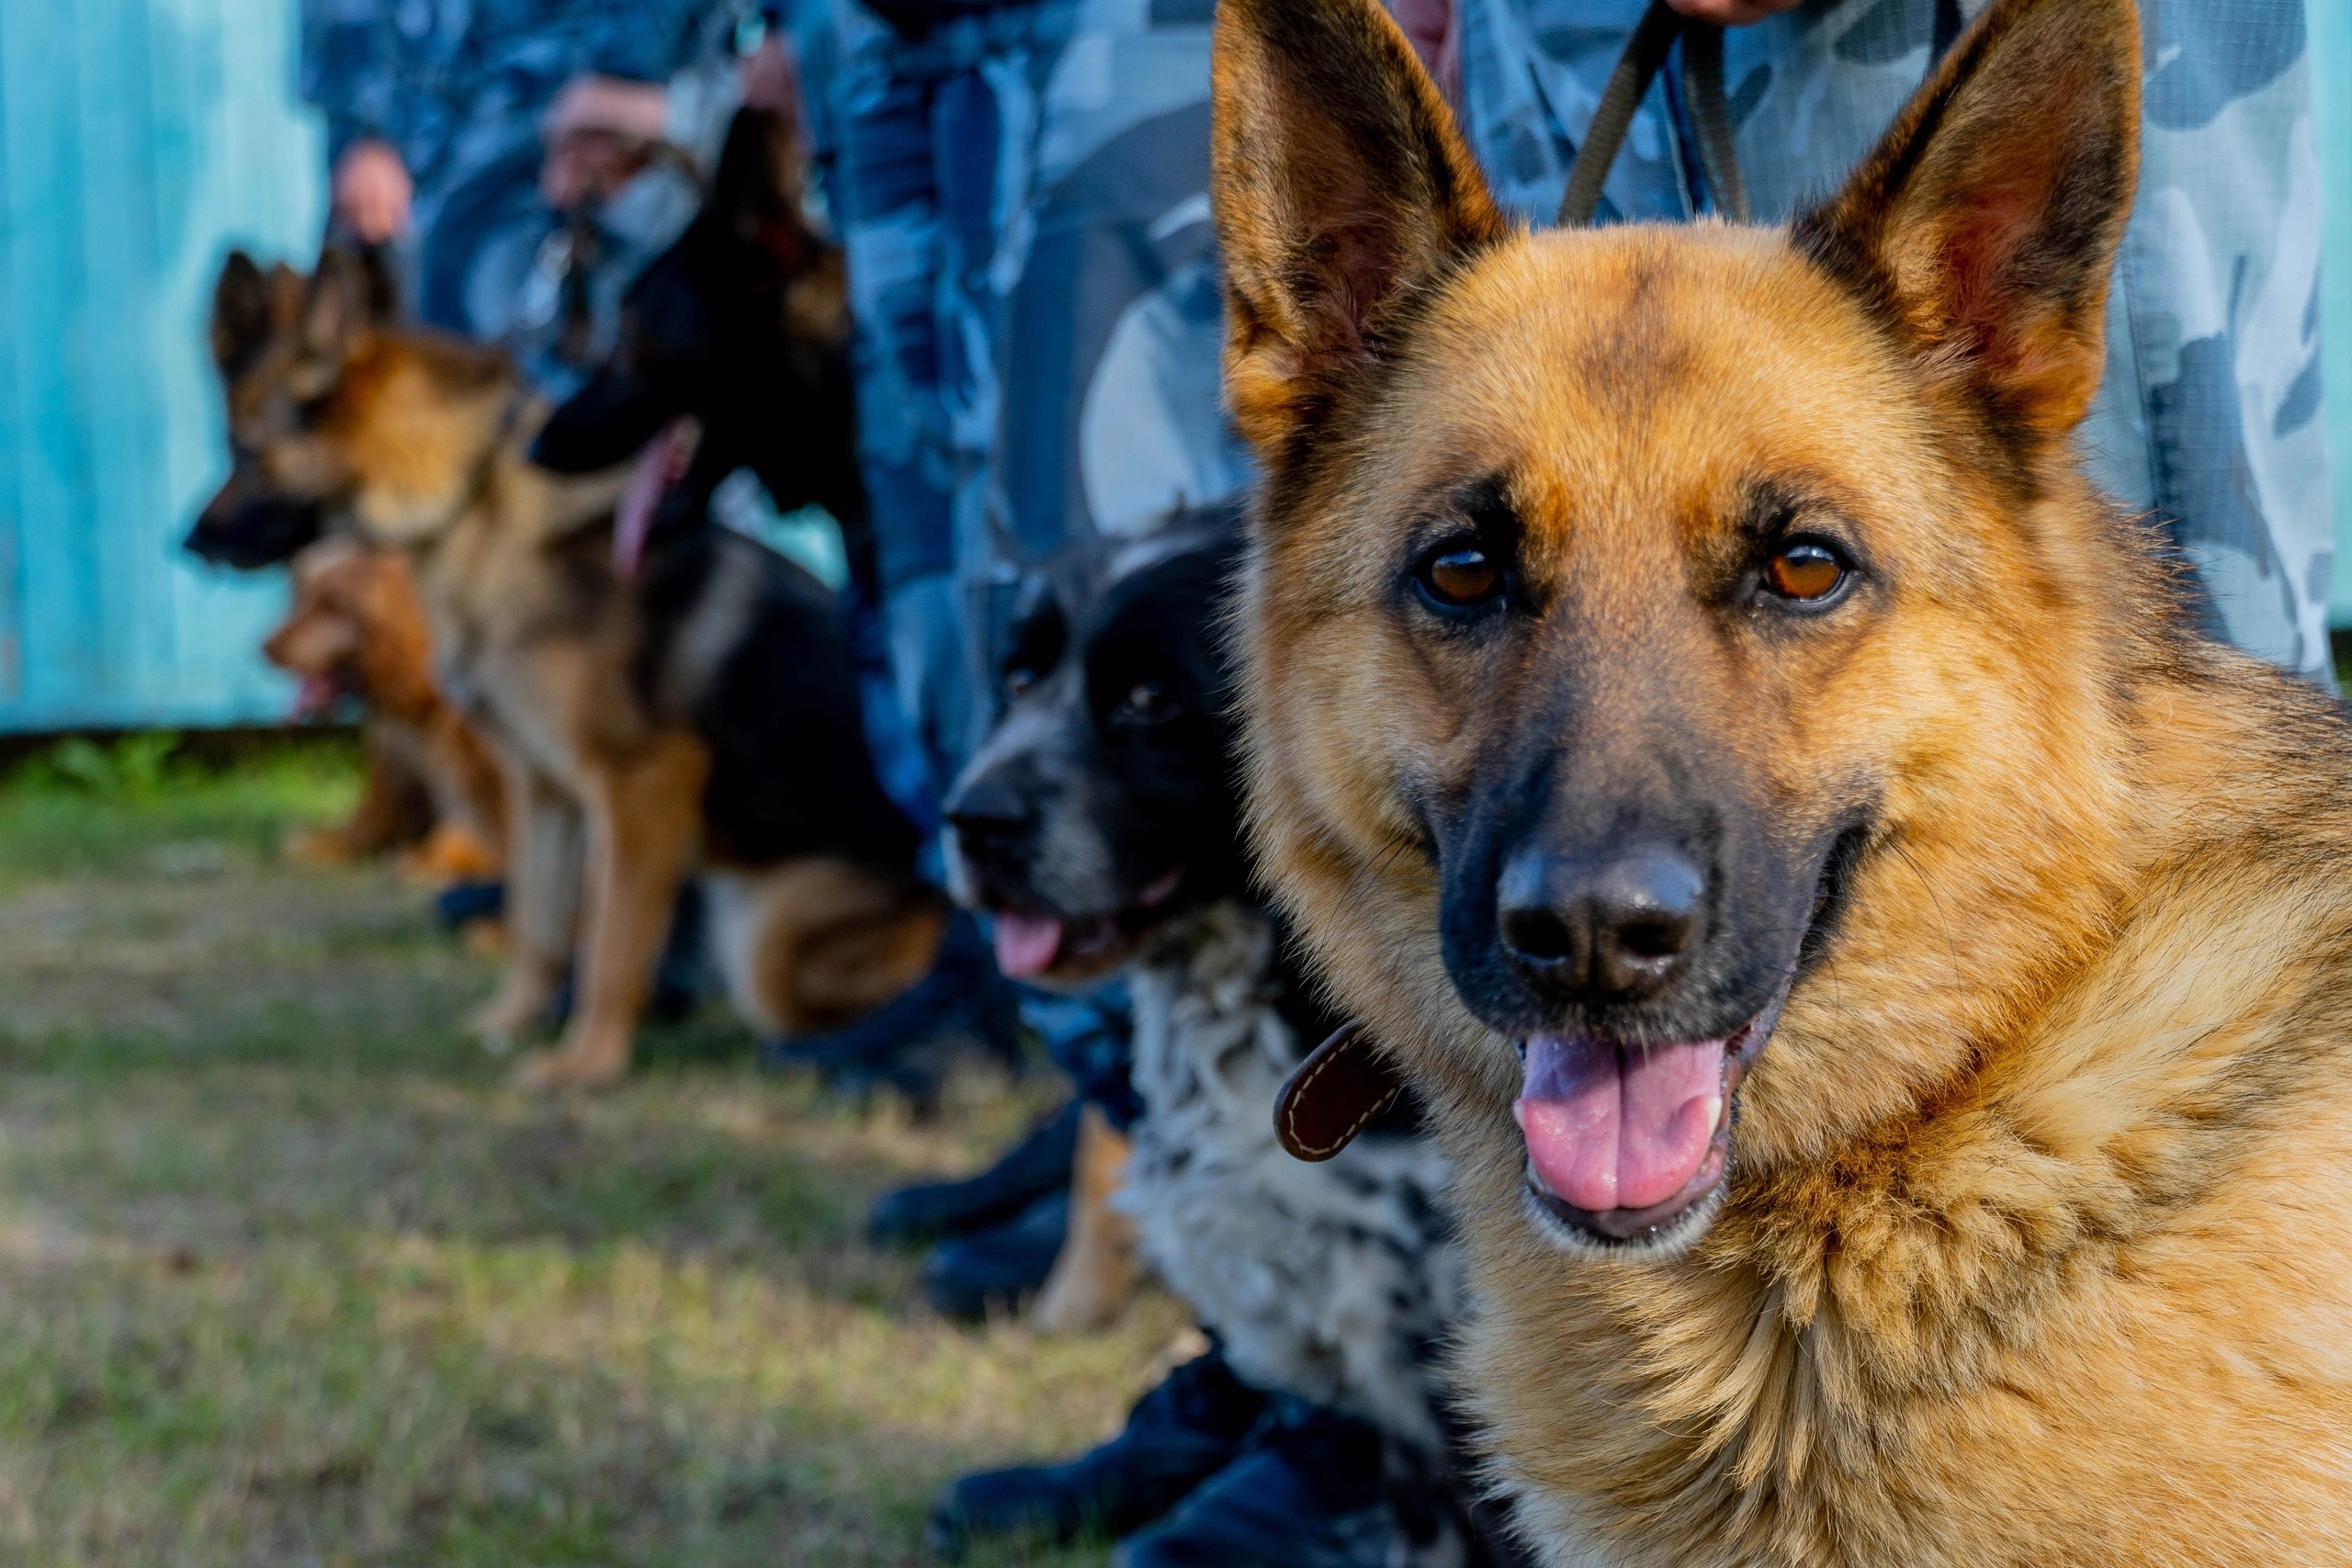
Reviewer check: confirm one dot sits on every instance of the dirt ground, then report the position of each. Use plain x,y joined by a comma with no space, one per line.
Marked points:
288,1275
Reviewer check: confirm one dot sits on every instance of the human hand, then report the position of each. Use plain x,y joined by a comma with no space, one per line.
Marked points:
1733,13
372,192
612,105
597,132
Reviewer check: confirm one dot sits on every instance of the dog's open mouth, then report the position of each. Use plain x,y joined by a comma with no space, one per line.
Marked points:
1629,1144
320,692
1625,1140
1069,949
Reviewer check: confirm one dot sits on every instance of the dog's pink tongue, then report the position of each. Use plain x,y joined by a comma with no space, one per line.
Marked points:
1025,945
316,694
1619,1127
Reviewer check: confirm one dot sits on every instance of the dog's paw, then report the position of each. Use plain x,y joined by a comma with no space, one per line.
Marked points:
545,1071
500,1022
317,846
449,854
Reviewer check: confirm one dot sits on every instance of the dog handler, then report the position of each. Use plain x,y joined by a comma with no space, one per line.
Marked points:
2207,418
523,160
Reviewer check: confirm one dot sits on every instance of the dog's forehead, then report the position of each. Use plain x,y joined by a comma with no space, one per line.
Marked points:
1644,360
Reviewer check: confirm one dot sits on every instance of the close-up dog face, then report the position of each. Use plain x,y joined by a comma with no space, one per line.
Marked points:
1104,803
331,421
1628,605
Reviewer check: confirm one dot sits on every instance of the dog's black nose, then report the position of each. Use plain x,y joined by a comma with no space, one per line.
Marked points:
1605,928
987,813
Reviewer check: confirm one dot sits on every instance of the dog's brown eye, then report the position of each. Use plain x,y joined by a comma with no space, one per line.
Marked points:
1461,576
1149,702
1017,681
1805,573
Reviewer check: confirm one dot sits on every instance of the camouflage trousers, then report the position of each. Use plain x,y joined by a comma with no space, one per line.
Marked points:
1022,196
2207,418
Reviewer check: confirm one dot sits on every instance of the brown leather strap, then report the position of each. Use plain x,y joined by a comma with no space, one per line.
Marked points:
1334,1094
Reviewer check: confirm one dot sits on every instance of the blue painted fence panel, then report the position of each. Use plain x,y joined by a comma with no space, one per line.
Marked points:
139,141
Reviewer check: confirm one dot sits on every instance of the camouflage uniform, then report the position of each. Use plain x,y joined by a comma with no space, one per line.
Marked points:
1023,193
2208,417
457,88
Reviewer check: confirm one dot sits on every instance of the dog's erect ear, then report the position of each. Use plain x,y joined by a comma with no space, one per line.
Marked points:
758,179
1986,225
340,306
1343,191
241,313
383,285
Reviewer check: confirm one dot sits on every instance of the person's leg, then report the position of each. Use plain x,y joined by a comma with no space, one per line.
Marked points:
883,190
2209,417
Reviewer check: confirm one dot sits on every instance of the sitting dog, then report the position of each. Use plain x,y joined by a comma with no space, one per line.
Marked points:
356,629
700,712
1099,823
1884,979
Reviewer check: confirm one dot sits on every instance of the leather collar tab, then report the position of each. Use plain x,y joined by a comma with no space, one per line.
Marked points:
1334,1094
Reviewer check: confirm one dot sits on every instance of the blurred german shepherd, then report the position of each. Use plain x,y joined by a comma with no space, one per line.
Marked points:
1885,980
699,711
357,629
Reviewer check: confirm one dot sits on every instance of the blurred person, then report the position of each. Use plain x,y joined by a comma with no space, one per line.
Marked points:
524,158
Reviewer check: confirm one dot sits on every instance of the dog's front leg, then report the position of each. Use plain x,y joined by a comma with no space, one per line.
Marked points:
644,819
542,863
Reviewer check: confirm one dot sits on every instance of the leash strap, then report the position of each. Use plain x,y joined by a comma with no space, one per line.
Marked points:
1644,57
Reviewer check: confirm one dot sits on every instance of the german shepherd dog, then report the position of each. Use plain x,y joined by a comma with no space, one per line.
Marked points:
1884,980
702,713
355,628
1101,824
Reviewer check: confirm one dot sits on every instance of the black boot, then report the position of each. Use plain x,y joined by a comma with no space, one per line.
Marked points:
1307,1492
967,1275
1176,1435
1036,1165
1180,1433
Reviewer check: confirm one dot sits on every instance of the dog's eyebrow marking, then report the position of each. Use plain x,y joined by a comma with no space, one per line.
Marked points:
1772,507
1484,503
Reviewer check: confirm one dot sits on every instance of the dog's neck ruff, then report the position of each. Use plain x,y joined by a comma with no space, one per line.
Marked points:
1328,1281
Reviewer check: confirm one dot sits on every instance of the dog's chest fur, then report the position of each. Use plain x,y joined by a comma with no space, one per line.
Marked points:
1334,1281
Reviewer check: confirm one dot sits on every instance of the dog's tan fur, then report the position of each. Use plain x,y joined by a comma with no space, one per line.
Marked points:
355,621
419,442
2035,1249
1096,1271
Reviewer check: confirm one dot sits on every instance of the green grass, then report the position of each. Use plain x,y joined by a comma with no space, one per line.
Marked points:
288,1275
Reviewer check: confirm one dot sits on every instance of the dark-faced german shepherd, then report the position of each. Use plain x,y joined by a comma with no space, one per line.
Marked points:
702,713
1886,981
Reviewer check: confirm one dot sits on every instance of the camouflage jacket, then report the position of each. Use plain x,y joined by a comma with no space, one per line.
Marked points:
2208,416
459,88
447,81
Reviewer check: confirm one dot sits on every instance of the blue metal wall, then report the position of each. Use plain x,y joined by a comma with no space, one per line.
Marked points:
139,140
